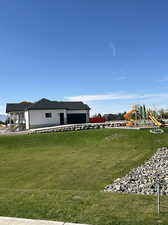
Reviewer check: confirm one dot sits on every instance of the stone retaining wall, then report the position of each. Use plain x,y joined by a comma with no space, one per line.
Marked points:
76,127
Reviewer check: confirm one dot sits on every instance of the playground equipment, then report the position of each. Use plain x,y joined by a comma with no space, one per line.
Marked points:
154,120
139,115
128,115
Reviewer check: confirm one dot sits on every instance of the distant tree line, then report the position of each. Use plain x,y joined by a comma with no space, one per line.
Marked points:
163,113
110,116
117,116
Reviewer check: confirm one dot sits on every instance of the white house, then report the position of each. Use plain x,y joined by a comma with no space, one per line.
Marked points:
43,113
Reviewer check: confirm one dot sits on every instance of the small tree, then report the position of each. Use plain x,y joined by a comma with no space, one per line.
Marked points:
161,113
99,115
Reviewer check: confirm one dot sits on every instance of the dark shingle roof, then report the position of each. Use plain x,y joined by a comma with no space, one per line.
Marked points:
46,104
13,107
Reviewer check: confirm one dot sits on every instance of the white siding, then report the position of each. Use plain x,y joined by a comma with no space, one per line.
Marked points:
27,119
38,119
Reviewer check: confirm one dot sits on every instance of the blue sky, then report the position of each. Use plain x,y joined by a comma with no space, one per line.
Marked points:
107,53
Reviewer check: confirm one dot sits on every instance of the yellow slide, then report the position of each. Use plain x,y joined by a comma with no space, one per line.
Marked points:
154,120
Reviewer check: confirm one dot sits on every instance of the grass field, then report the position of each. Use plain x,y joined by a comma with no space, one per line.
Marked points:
60,176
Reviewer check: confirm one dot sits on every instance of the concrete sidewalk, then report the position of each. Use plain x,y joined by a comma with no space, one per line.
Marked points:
20,221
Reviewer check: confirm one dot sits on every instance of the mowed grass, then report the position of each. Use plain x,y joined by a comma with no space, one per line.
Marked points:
61,176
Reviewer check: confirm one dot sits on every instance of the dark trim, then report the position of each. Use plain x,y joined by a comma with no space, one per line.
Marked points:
45,109
76,118
62,120
56,109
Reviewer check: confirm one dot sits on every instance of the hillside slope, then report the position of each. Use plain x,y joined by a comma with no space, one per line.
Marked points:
61,176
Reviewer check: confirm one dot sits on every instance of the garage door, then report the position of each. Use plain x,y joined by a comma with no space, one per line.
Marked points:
76,118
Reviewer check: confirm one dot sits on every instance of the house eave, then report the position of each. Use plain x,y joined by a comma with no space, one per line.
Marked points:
53,109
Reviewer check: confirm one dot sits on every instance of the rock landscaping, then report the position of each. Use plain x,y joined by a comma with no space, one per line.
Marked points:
76,127
144,179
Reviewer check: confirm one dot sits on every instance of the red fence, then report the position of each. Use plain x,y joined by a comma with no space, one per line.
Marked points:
97,120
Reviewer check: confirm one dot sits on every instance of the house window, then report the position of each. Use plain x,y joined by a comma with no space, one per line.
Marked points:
48,115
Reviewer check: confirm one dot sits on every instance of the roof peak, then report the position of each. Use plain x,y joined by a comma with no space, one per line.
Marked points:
43,100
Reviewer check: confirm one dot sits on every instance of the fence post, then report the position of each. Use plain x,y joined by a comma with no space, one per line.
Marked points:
158,197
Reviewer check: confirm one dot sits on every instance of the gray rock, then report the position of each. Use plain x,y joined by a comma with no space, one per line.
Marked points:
143,179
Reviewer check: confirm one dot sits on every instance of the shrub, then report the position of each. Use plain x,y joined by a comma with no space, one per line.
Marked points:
97,119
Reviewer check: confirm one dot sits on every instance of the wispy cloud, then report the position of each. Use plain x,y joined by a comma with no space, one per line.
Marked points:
100,97
163,79
116,96
120,78
120,102
113,48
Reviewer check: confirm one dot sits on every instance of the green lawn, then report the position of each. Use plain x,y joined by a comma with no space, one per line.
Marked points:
60,176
